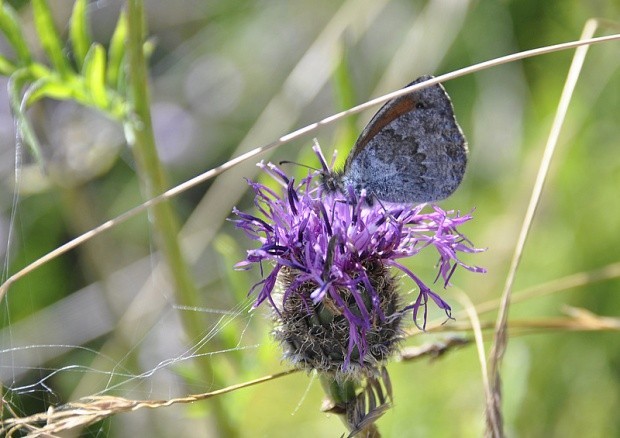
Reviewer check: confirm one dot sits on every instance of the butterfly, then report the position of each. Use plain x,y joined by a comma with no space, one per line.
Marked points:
411,151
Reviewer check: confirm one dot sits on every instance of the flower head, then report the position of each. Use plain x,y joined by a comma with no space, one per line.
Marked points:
332,286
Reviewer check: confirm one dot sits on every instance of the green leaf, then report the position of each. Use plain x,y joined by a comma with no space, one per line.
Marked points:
54,87
79,32
50,39
38,71
9,25
6,66
94,75
116,53
16,82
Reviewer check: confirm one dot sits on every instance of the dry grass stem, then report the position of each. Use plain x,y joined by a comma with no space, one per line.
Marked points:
494,415
90,410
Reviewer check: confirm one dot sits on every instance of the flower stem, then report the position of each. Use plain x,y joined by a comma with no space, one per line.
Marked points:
140,135
151,172
344,400
340,393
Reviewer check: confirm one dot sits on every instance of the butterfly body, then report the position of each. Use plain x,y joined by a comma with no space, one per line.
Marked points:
412,151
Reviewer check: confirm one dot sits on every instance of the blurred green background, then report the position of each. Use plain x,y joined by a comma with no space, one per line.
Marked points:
229,76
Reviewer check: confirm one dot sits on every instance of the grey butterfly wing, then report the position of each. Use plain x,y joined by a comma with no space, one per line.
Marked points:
412,150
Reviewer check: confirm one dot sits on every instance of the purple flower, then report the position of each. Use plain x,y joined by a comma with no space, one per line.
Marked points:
335,301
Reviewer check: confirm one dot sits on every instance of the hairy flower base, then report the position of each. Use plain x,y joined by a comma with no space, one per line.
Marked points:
317,336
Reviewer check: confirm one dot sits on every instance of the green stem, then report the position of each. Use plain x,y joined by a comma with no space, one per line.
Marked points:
151,173
343,397
154,182
340,393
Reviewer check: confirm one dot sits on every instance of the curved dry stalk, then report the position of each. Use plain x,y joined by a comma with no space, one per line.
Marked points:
493,421
494,415
578,320
572,281
210,174
90,410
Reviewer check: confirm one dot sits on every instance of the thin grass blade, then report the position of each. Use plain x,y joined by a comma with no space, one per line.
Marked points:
79,32
94,75
10,27
116,53
49,36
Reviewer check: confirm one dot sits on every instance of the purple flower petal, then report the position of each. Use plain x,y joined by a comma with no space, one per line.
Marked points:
328,241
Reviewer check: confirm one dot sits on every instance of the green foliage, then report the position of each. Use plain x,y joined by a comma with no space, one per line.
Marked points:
48,34
6,66
11,29
94,73
89,80
79,32
116,54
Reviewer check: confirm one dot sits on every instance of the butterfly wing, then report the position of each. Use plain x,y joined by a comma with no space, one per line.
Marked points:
412,150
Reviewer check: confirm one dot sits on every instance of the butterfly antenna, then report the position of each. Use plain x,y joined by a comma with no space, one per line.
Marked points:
298,164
